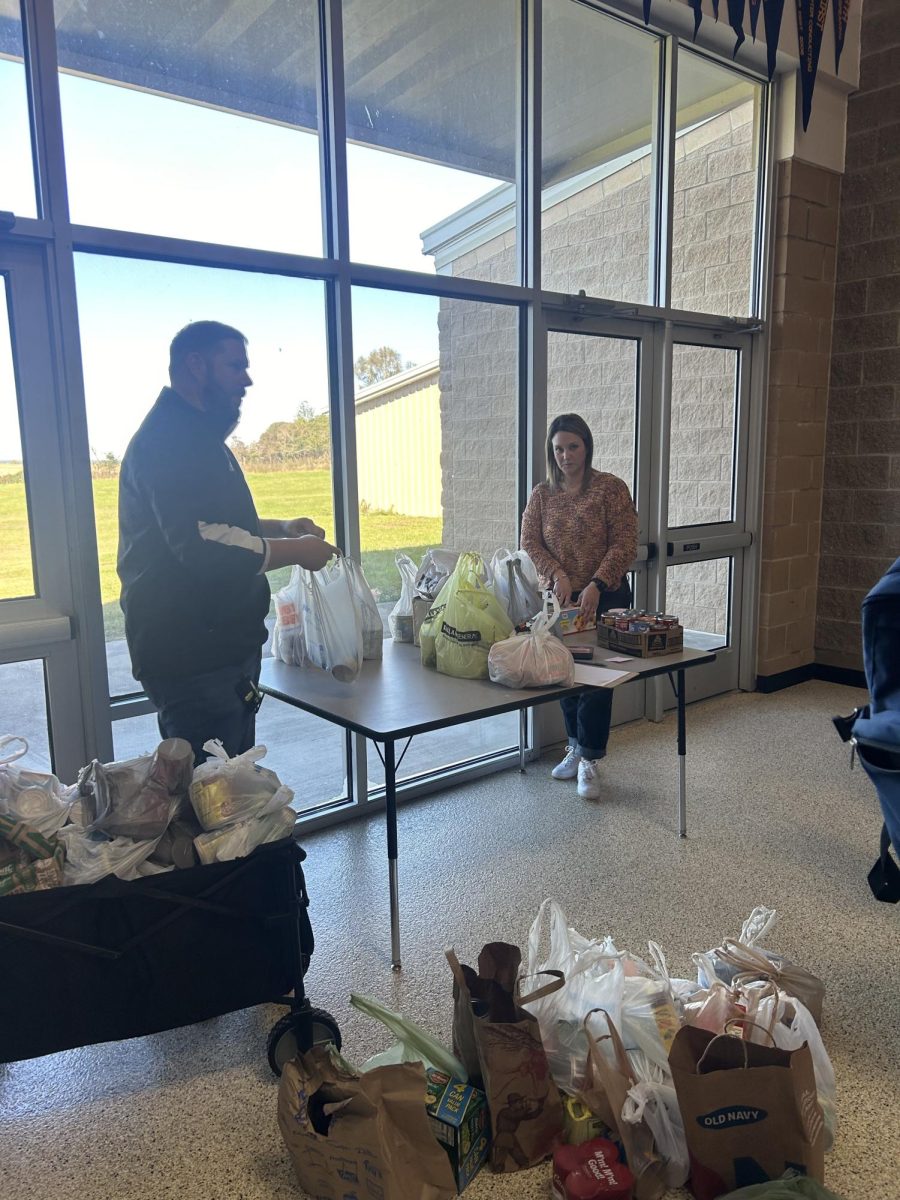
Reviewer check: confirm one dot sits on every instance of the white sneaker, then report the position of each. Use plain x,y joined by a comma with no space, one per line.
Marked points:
568,768
588,779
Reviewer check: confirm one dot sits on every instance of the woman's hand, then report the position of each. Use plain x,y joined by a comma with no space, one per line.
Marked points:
590,599
562,589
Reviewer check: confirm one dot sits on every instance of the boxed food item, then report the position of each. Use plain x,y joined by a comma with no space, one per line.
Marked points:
572,620
458,1116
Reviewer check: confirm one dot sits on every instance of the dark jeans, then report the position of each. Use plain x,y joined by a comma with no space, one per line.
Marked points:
588,716
207,706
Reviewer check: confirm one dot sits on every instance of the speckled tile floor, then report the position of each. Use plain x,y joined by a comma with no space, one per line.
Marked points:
774,817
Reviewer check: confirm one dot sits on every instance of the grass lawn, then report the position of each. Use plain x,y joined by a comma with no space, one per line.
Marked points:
279,494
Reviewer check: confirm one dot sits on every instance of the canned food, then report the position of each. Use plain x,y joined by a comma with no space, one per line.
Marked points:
668,621
622,624
638,626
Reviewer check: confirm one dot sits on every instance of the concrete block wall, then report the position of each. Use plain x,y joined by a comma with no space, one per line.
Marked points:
802,310
861,501
598,239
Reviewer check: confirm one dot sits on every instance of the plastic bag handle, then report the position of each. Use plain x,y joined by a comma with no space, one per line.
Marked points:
217,750
5,741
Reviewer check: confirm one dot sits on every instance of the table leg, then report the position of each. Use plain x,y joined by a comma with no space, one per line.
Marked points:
682,758
390,802
523,737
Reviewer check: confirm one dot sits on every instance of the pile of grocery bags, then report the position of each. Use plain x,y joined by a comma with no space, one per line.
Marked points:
628,1080
136,817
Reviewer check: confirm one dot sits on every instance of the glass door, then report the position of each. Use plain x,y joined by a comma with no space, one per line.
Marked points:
705,535
669,410
40,686
603,371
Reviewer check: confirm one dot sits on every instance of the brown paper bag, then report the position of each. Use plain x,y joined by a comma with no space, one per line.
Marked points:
500,1045
750,1111
751,964
606,1085
365,1136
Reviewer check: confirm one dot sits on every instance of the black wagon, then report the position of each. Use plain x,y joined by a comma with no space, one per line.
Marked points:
119,959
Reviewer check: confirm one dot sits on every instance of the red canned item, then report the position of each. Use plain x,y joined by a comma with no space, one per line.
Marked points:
622,623
668,621
591,1171
599,1180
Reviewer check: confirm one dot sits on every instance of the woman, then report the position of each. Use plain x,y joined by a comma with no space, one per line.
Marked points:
580,529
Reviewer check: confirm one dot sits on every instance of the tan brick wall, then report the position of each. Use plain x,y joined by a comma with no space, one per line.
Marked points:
861,503
802,309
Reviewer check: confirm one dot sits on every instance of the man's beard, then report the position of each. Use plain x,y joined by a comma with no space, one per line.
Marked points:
224,414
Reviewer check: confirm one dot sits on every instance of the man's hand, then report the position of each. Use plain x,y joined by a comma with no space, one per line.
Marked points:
313,552
301,527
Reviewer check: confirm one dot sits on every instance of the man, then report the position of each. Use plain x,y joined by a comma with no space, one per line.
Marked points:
192,551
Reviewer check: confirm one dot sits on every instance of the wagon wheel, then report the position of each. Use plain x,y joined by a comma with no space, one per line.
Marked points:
282,1044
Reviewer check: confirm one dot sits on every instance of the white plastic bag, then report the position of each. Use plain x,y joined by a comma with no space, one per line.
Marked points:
535,659
288,643
594,980
332,625
90,857
370,617
400,618
225,790
791,1024
241,838
516,585
657,1105
34,797
138,797
436,568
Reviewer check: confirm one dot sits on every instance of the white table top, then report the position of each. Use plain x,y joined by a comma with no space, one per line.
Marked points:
397,697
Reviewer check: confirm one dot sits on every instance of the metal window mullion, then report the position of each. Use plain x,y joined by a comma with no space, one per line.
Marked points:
339,323
663,143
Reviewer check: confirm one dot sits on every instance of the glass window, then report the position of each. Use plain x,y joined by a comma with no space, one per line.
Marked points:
17,173
702,439
224,99
699,593
23,711
17,569
129,310
597,377
431,130
599,88
716,184
436,421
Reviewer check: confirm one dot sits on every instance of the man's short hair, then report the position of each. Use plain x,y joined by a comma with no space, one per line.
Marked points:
200,337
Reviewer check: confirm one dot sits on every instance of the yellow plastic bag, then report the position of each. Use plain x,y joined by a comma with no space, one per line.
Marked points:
471,620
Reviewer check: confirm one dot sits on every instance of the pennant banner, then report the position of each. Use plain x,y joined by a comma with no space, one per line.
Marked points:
754,16
811,16
773,11
697,6
840,10
736,21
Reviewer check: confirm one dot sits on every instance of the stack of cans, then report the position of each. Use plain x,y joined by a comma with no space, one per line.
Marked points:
637,620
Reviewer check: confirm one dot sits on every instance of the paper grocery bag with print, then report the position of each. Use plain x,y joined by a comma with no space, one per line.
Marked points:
750,1111
365,1136
607,1081
499,1043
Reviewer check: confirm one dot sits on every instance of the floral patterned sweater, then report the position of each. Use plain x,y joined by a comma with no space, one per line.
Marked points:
590,533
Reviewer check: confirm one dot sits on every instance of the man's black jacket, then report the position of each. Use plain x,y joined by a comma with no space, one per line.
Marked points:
189,547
